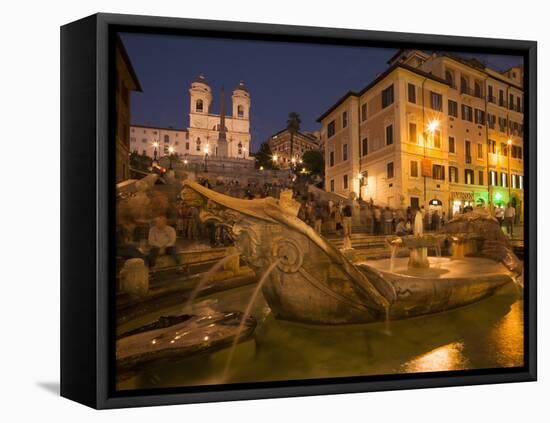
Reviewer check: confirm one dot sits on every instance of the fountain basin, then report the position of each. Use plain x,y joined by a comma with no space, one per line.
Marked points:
447,283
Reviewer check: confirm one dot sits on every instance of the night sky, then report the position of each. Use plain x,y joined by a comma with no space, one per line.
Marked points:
281,77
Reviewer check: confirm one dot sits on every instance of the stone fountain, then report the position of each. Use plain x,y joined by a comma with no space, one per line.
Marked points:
313,282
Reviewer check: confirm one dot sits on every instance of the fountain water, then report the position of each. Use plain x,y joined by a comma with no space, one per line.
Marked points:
205,278
246,314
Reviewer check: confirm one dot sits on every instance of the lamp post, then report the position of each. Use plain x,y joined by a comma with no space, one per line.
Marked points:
509,142
155,145
205,159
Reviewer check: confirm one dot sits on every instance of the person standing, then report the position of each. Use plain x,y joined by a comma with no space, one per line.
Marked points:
509,218
377,220
499,215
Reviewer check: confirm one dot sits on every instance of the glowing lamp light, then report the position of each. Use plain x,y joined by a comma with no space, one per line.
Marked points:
185,161
498,196
509,142
433,125
205,150
171,150
261,168
155,144
360,176
275,158
293,160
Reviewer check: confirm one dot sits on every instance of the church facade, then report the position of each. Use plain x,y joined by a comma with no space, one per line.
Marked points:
216,135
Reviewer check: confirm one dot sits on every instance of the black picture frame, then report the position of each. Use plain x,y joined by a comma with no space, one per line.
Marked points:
87,204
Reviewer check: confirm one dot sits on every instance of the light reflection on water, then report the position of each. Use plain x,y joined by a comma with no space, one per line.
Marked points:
487,334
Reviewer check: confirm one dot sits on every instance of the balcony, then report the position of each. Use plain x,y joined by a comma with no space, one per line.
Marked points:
491,99
468,159
502,103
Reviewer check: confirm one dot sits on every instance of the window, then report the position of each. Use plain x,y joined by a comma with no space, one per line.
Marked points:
490,97
480,177
187,146
331,159
503,149
453,174
504,180
478,91
449,77
144,140
520,181
511,102
198,148
436,102
240,111
331,129
414,169
493,177
199,106
344,119
387,96
453,108
463,84
480,117
345,181
364,147
389,170
514,180
344,152
452,146
502,124
437,138
480,151
411,89
491,120
468,176
468,151
492,146
466,113
332,185
389,135
363,112
412,133
438,172
167,139
518,104
501,98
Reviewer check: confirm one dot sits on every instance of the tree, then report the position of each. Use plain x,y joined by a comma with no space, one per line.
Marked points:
314,162
293,126
264,157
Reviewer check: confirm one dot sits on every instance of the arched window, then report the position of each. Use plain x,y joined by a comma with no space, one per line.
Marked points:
198,105
240,111
198,144
449,77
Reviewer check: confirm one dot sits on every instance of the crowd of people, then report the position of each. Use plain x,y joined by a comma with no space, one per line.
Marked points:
181,220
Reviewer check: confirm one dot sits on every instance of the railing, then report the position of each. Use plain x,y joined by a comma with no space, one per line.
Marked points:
491,99
468,159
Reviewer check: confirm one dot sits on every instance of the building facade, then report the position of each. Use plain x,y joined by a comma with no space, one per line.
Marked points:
288,148
126,81
432,130
202,135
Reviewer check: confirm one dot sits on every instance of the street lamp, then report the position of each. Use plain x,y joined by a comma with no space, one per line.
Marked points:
171,151
155,145
509,142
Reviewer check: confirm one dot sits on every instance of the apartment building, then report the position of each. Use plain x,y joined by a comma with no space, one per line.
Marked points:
433,130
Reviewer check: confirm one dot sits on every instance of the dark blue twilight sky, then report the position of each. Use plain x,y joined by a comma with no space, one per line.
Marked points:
281,77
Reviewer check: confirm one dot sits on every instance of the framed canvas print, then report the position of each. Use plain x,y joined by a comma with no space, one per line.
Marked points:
256,211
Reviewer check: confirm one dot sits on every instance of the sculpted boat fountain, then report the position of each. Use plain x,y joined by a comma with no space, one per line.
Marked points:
313,282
